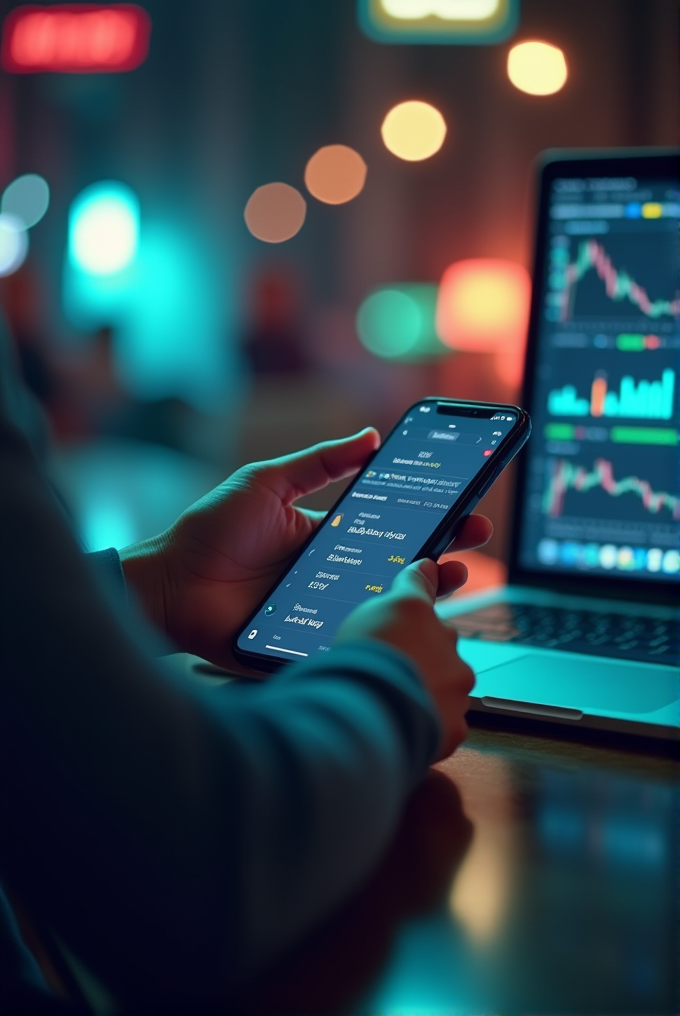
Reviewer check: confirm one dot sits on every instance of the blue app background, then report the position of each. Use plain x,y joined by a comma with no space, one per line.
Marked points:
379,526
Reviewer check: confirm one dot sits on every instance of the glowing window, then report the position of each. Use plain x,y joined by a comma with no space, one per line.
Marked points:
413,131
335,174
537,68
13,244
104,228
483,306
27,198
75,38
275,212
439,21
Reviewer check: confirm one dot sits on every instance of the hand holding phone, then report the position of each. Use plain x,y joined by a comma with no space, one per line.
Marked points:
408,502
405,619
200,580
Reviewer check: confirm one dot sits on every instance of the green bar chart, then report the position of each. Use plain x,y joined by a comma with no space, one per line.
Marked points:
640,400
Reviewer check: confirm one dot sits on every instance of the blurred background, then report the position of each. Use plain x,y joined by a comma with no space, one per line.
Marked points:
232,228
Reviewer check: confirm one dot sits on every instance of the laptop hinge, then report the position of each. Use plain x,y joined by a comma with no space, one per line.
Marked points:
532,708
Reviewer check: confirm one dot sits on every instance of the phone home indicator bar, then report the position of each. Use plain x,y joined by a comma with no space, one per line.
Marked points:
293,652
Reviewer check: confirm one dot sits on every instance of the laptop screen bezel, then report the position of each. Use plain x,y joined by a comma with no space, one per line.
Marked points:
643,164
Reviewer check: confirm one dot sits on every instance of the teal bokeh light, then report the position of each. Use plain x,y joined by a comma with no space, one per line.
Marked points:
174,341
104,228
172,314
398,322
27,198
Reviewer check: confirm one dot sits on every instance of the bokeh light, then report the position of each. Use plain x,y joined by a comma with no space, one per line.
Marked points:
438,21
483,306
104,228
13,244
447,10
169,310
335,174
413,130
70,38
537,68
275,212
388,323
481,302
27,198
398,322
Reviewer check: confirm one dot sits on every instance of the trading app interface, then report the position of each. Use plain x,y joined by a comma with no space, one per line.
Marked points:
378,527
603,492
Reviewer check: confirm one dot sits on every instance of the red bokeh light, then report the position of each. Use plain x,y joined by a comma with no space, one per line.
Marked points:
75,39
483,307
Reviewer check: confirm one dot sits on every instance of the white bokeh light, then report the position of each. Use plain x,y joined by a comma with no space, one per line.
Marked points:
104,228
13,244
537,68
447,10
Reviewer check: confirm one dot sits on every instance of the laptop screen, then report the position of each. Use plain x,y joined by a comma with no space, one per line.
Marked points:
600,486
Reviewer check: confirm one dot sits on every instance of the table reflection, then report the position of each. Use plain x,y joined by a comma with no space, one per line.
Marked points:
529,875
566,900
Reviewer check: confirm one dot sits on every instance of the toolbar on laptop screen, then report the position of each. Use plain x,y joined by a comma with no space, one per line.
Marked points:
603,488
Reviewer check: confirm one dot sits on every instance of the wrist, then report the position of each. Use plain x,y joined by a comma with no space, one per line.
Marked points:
145,570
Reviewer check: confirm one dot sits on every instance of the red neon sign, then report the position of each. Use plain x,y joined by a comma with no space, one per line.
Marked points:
75,39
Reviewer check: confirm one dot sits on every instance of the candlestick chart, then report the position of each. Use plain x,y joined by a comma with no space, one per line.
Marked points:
564,476
622,290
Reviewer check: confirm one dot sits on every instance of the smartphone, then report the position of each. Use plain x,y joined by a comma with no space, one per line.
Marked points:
405,504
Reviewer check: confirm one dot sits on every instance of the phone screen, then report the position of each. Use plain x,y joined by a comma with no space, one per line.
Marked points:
384,519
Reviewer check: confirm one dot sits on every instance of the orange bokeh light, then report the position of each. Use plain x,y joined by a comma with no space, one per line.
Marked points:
275,212
483,306
335,174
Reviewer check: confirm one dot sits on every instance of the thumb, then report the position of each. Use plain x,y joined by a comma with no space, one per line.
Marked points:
420,580
293,476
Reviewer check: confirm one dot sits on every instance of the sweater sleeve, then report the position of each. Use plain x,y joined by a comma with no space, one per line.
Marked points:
107,565
178,838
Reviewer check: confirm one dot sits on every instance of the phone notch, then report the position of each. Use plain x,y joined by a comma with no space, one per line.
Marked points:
480,412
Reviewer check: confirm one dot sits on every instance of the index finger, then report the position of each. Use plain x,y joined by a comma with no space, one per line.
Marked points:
475,532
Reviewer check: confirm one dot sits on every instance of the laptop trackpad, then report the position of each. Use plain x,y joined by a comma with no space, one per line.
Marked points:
577,683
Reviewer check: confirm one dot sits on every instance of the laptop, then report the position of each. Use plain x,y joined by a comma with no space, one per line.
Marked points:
586,633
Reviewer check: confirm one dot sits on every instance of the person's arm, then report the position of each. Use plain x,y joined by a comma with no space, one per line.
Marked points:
178,839
107,565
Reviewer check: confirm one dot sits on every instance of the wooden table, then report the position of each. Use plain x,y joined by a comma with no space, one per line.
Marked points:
531,875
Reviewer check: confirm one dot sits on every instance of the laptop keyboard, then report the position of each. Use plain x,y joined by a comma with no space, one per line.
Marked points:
622,636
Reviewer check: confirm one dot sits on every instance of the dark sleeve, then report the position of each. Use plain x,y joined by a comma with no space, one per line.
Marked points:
107,565
178,838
